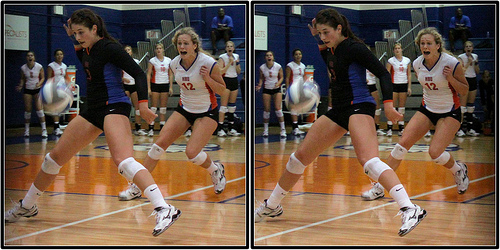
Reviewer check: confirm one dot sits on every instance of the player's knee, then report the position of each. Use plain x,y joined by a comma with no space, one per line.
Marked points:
231,107
137,112
378,111
40,113
49,166
223,109
402,110
154,109
279,113
398,152
129,167
440,159
267,115
197,159
294,166
374,168
27,115
155,152
163,110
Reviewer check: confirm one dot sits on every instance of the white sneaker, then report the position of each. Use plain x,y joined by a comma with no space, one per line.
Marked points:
265,133
297,131
461,178
460,133
377,191
58,132
165,217
400,133
233,132
428,134
44,133
221,133
380,132
388,133
18,211
140,132
283,133
188,133
219,179
131,193
151,133
472,132
263,211
26,133
410,217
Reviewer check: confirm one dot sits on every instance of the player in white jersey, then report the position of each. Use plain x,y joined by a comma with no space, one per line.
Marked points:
442,78
229,63
271,75
57,69
131,92
371,81
295,71
159,79
399,67
470,63
200,79
32,79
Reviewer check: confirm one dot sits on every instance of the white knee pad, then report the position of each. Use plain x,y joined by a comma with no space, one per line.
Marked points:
40,113
27,115
266,115
163,110
293,113
402,110
200,158
399,152
470,108
231,108
223,109
155,152
443,158
49,166
294,166
137,112
378,111
129,167
463,109
375,167
154,109
278,113
389,122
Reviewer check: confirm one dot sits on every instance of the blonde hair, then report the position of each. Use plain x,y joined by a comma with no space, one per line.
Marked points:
229,42
194,37
437,37
397,44
470,43
160,44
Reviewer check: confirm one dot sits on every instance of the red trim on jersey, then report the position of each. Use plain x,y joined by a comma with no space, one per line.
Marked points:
213,99
456,99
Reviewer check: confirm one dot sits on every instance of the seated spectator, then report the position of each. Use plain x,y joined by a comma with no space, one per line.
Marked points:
459,28
487,92
222,27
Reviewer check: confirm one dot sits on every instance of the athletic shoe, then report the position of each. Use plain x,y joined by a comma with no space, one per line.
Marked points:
188,133
472,132
400,133
428,134
460,133
151,133
264,211
283,133
233,132
131,193
377,191
221,133
140,132
410,217
219,179
380,132
57,132
297,131
461,178
44,133
265,133
27,133
19,211
388,133
165,217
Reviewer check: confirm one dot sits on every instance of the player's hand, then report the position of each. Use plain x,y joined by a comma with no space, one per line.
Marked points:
391,113
67,28
257,88
19,88
448,73
408,93
146,113
312,28
205,73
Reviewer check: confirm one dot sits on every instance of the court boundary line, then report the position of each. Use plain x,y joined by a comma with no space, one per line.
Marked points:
361,211
111,213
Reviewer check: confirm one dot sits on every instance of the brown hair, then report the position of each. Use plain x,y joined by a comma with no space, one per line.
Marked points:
88,18
333,18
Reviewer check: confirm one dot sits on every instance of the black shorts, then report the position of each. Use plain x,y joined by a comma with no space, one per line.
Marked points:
160,88
341,115
219,34
191,117
400,88
271,91
231,83
31,91
434,117
372,88
96,115
130,88
472,83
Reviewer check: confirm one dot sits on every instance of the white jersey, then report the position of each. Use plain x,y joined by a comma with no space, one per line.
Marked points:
469,72
270,75
160,70
59,71
129,77
399,69
439,96
371,79
231,71
297,71
196,96
31,75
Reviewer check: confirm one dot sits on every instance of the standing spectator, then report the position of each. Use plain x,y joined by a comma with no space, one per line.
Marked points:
487,92
469,62
222,27
57,69
295,71
459,28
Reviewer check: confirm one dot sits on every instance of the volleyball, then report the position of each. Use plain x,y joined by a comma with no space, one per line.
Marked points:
56,97
302,97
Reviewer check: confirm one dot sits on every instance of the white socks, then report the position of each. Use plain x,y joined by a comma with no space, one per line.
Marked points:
276,196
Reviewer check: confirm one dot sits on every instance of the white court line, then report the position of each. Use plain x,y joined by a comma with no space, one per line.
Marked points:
361,211
111,213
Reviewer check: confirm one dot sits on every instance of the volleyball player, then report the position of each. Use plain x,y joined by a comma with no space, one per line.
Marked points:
470,64
295,71
57,69
131,91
